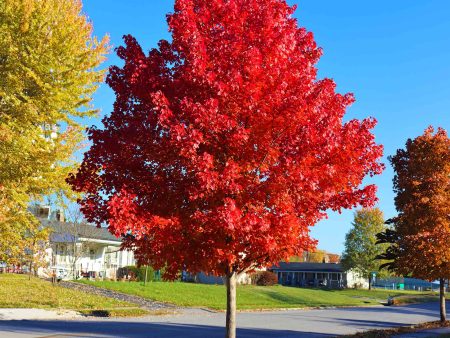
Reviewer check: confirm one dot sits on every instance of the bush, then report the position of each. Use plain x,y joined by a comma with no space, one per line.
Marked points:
357,286
264,278
134,273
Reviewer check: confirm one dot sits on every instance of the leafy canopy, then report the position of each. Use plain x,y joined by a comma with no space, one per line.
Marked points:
48,73
223,147
420,236
361,250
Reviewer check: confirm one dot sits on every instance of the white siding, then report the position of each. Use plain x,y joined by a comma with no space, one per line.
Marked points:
102,258
355,281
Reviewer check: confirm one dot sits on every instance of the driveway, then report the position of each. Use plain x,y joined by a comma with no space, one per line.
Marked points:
205,324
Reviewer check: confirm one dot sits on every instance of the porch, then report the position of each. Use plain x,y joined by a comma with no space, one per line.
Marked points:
334,280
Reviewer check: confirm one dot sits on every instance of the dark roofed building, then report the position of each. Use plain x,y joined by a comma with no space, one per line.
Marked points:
303,274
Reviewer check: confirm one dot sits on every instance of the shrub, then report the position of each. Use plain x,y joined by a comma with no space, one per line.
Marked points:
264,278
134,273
357,286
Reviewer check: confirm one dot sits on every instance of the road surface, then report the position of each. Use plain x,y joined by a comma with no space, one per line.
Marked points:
199,323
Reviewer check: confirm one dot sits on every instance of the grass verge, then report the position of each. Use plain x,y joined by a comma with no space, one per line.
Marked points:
411,299
16,291
385,333
249,297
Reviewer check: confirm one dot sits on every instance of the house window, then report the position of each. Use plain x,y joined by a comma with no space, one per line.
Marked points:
43,212
129,257
114,257
92,254
60,250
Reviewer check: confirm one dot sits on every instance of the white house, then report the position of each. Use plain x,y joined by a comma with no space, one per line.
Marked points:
79,250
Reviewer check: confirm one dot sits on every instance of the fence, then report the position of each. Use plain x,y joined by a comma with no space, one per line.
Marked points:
406,284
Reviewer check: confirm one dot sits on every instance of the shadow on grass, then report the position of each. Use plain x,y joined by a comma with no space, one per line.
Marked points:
302,301
287,299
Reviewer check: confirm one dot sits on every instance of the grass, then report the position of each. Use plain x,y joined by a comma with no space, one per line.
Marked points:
16,291
249,297
411,299
385,333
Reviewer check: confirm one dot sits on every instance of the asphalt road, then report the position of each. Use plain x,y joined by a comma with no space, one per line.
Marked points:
199,323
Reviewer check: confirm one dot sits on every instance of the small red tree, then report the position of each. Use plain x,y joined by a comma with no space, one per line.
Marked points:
223,148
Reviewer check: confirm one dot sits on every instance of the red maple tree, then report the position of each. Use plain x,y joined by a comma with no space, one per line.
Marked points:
223,148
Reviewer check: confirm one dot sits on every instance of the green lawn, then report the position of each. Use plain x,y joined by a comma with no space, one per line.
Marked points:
248,296
16,291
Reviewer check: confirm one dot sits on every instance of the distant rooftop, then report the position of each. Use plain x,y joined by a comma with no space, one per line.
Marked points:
66,231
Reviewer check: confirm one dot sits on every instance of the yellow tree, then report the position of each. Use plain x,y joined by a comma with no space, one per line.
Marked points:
49,63
361,247
420,238
316,256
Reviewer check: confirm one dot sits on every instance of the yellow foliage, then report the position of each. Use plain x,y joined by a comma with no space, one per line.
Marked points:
49,63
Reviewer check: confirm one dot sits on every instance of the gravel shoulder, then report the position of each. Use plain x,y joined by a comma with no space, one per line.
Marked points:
142,302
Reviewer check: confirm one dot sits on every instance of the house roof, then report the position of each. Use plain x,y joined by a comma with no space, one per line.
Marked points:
307,267
67,231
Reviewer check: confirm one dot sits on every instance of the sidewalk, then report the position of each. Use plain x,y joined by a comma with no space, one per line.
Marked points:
37,314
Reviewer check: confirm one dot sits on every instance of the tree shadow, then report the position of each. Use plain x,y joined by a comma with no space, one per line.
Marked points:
58,328
286,299
427,309
322,322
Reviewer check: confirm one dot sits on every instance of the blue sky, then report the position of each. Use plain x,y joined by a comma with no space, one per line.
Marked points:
393,55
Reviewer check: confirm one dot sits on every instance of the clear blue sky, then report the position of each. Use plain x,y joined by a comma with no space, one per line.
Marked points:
393,55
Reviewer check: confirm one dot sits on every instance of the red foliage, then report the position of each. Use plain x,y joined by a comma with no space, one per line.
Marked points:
223,148
333,258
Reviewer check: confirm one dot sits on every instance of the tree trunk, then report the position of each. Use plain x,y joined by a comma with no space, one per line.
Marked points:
231,305
74,258
146,272
74,269
30,266
370,281
442,299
